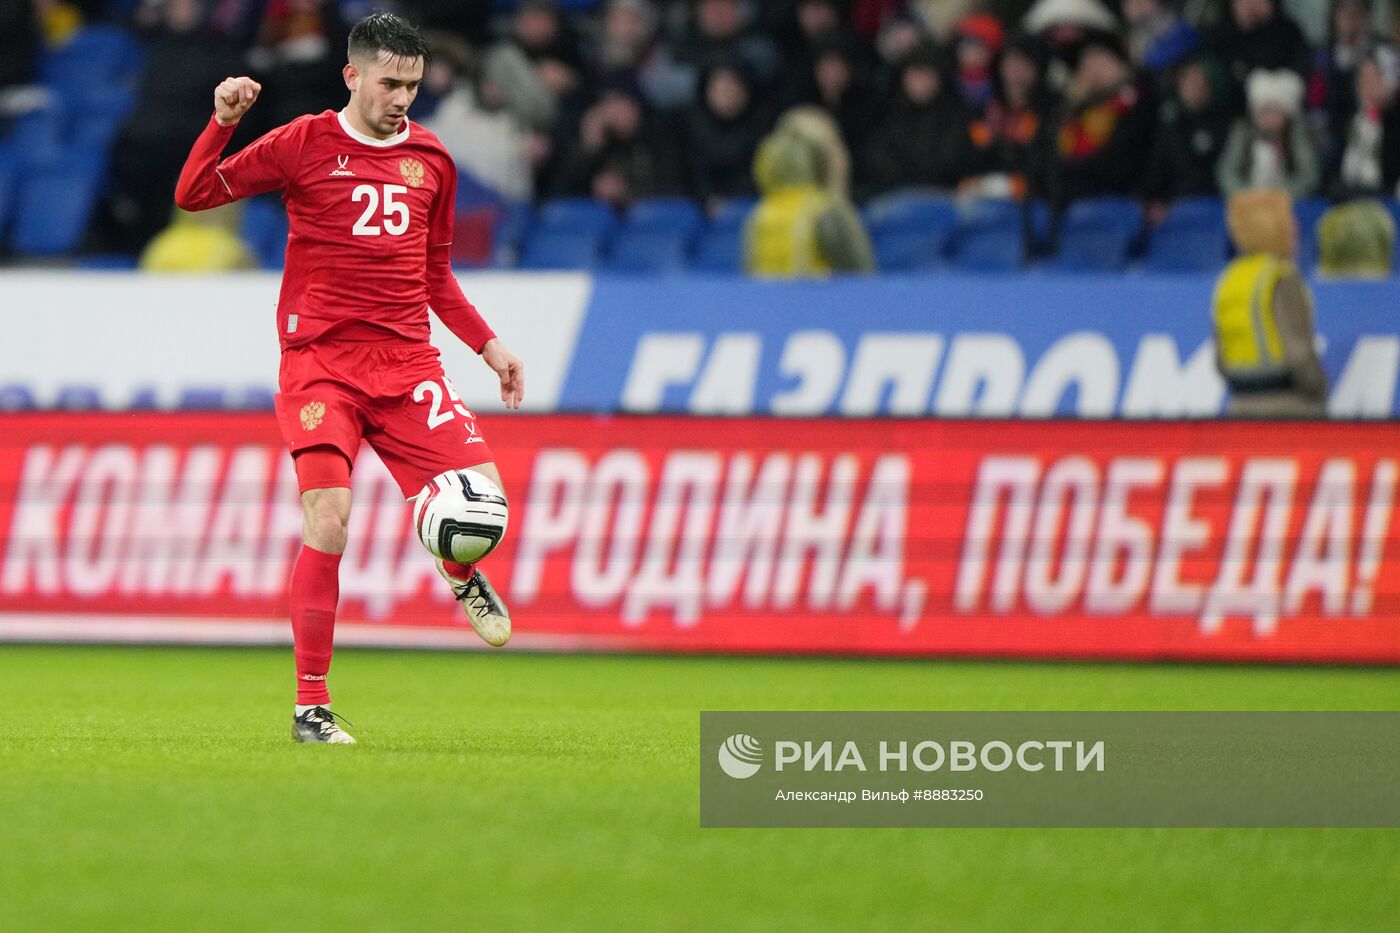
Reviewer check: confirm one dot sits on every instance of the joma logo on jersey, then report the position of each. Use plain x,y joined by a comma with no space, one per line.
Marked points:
342,166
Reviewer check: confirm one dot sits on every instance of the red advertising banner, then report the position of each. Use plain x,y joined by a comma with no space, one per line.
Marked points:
1205,540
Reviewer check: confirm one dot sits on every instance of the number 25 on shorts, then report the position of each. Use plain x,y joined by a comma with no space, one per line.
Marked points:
436,415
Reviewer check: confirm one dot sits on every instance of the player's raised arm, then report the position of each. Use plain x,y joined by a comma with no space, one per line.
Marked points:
200,186
204,181
233,97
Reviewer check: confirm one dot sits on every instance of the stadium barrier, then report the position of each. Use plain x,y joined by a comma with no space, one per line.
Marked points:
1199,540
1030,346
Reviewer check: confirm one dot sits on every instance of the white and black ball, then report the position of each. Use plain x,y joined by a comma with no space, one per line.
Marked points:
461,515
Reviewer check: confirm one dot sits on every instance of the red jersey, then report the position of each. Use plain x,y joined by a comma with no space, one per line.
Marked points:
371,222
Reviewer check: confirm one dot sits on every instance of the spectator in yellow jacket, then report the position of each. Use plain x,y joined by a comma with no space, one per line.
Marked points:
1263,311
204,242
805,224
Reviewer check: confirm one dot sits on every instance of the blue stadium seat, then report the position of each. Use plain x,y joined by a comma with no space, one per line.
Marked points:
1097,235
98,115
910,230
720,250
991,250
40,134
1204,207
1192,238
264,229
680,214
546,248
720,246
56,202
648,252
95,56
656,237
989,213
909,209
1041,217
732,214
1308,212
568,233
989,236
515,221
577,215
908,250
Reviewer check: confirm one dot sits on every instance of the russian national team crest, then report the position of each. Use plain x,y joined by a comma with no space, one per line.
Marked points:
312,415
412,171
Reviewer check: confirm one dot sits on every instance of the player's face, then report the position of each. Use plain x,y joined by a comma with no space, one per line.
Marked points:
382,90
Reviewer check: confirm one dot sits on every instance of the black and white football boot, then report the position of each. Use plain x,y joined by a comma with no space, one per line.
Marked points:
318,724
484,607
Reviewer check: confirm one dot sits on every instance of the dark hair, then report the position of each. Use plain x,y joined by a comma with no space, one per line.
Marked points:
385,32
927,54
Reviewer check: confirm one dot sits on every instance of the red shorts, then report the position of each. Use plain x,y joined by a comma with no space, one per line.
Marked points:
395,398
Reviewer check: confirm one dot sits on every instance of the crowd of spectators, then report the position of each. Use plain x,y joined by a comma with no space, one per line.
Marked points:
627,99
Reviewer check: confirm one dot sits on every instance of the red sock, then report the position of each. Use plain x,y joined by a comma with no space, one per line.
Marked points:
314,592
460,571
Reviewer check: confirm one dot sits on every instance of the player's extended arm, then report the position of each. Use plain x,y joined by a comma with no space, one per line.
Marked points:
461,317
201,186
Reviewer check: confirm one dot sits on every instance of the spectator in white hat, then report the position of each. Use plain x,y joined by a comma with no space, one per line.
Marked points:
1272,148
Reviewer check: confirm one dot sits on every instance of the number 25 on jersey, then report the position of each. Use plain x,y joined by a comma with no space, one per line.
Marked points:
394,214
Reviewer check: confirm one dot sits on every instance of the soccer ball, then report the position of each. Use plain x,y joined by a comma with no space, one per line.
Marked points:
460,516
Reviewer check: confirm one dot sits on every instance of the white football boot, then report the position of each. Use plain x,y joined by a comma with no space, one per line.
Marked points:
318,725
483,605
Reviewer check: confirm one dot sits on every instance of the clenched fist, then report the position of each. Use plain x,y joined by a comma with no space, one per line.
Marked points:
233,97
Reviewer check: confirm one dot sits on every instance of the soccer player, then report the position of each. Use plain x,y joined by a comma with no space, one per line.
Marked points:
370,200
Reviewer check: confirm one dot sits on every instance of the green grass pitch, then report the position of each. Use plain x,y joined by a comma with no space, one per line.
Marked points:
158,789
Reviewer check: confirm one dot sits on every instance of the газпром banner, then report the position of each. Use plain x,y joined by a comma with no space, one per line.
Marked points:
1136,347
1206,540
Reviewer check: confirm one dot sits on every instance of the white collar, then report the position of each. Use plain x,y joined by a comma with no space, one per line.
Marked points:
371,140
